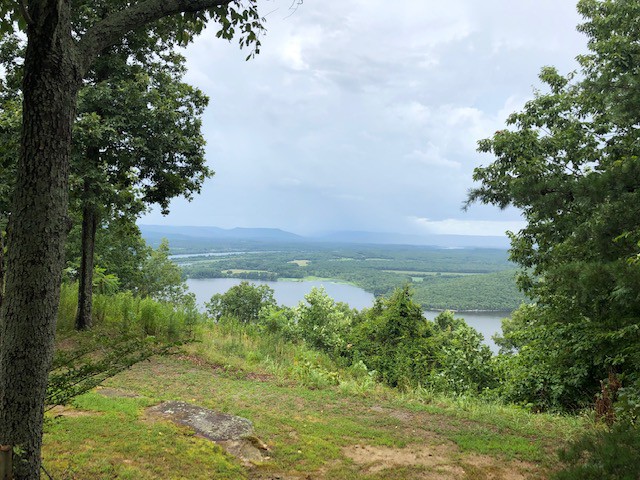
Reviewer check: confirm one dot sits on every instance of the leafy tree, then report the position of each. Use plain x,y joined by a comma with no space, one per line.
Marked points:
59,54
394,339
119,249
161,278
570,160
462,363
544,359
322,322
243,302
138,142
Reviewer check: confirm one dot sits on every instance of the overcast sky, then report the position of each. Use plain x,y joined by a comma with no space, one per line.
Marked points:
364,114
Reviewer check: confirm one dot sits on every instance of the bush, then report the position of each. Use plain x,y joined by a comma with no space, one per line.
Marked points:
603,455
463,364
546,363
280,322
322,322
243,302
394,339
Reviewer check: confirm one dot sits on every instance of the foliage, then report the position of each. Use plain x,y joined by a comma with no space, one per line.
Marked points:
128,330
162,279
279,321
243,302
490,291
322,322
571,162
603,455
627,406
64,41
462,362
395,340
10,120
77,371
545,363
119,249
137,139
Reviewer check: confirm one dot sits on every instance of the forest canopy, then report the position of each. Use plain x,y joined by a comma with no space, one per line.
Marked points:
570,162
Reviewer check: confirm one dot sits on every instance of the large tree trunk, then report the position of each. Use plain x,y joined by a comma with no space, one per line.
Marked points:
36,232
1,267
85,288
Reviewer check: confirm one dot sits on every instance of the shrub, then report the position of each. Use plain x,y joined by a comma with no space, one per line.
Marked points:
322,322
243,302
603,455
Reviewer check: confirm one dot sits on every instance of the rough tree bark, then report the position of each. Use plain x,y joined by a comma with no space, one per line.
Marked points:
1,267
85,289
36,232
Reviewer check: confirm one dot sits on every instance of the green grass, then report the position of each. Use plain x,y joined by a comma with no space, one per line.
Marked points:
305,408
110,438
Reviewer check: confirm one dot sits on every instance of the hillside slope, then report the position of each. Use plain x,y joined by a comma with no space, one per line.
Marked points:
317,424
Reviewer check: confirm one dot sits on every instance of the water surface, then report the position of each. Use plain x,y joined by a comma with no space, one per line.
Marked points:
287,293
290,293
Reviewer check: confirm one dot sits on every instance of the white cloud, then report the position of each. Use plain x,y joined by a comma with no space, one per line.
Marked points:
453,226
292,54
432,157
356,109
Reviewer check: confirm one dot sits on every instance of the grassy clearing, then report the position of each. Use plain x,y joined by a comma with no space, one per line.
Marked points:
301,263
314,416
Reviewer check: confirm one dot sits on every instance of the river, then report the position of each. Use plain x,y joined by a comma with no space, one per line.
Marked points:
289,293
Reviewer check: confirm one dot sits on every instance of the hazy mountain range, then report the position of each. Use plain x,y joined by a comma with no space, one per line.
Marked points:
153,234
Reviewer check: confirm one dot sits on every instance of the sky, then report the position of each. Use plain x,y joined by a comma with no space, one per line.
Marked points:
365,114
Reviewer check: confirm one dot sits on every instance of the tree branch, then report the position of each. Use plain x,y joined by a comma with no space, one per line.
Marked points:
110,31
24,12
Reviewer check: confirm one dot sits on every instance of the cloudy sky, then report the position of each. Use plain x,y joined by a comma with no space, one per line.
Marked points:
364,114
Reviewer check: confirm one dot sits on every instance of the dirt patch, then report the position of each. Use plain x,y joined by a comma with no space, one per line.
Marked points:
375,459
116,393
194,359
64,411
492,468
402,415
442,461
219,369
260,377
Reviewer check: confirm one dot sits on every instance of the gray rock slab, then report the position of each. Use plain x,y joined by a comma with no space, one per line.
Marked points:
208,423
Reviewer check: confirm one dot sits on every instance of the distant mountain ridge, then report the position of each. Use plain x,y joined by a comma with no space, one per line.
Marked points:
213,233
153,233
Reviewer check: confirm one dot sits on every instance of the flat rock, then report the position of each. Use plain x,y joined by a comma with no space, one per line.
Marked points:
234,434
207,423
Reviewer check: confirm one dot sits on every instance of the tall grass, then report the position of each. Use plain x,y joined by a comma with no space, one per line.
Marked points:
126,330
123,313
